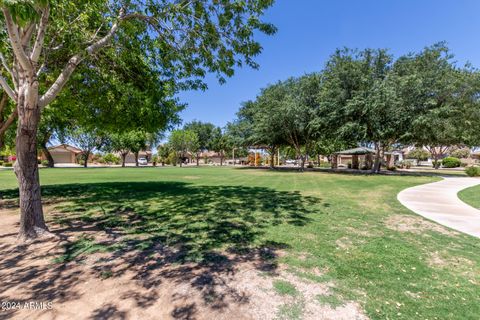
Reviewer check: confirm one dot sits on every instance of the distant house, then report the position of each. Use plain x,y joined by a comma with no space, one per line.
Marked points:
212,157
63,153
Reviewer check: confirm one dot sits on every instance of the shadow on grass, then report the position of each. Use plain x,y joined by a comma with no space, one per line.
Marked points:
158,231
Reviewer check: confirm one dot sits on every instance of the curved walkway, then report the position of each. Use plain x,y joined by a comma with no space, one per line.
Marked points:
438,201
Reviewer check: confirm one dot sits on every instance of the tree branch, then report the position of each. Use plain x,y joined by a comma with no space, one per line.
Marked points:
42,27
9,122
16,41
5,65
74,61
103,41
27,34
62,78
3,104
7,88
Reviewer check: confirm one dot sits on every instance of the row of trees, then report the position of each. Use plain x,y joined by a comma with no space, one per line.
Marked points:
368,98
196,137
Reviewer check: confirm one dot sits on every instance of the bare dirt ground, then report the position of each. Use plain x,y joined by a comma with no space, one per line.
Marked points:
134,285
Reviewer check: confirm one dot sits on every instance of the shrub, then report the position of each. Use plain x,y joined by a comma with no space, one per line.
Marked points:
473,171
1,163
451,162
44,163
324,164
110,158
8,164
392,168
405,164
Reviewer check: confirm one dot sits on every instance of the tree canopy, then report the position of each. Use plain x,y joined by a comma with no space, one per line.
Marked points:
368,98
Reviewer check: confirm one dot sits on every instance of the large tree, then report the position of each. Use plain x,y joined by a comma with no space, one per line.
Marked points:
266,130
47,40
88,140
439,96
359,102
220,143
183,142
132,141
282,114
205,134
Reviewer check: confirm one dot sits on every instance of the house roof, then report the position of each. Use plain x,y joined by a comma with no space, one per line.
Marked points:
66,147
209,154
356,151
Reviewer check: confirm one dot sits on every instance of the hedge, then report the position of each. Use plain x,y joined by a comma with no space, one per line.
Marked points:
451,162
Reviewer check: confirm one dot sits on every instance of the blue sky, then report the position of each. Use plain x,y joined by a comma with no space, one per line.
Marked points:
310,30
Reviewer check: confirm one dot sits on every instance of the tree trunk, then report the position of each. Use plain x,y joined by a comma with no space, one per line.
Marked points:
47,154
368,161
198,159
221,158
436,163
302,162
3,105
32,222
124,158
136,159
435,153
272,159
85,158
318,160
378,155
390,161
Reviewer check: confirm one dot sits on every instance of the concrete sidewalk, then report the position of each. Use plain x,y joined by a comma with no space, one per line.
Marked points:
438,202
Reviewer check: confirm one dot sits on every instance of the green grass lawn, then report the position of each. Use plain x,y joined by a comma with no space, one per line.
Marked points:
471,196
351,227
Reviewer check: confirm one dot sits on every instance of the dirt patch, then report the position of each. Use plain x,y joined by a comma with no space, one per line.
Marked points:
268,304
361,232
461,264
132,284
303,256
344,243
417,225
